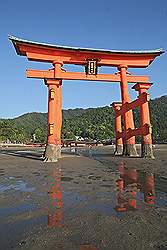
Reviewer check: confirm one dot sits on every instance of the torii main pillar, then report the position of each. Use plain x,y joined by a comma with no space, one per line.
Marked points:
53,147
129,144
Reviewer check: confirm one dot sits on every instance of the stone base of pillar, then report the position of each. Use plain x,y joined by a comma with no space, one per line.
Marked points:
130,150
52,153
118,149
147,151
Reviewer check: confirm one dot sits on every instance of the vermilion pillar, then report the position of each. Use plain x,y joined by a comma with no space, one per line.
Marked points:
129,144
53,148
147,148
118,129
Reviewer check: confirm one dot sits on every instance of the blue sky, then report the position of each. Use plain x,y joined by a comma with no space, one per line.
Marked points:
108,24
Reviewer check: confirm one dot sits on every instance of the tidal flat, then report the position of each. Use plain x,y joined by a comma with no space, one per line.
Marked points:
89,199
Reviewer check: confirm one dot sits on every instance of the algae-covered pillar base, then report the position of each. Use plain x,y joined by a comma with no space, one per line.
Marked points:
53,147
52,153
118,149
147,151
130,150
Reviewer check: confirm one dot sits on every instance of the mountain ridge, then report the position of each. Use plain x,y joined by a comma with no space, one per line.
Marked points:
92,123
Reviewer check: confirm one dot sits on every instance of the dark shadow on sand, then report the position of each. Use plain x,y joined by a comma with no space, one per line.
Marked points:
28,155
116,156
93,154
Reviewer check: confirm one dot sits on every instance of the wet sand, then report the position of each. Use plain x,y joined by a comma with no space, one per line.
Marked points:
81,202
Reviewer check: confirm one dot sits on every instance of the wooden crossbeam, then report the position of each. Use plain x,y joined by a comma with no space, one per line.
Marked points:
80,58
49,74
145,130
143,98
43,74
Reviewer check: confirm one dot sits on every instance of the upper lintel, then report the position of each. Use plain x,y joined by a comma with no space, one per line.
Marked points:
77,55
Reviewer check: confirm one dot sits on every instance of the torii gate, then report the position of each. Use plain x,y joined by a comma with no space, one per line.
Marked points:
91,59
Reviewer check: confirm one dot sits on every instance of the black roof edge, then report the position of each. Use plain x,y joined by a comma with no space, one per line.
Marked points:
15,39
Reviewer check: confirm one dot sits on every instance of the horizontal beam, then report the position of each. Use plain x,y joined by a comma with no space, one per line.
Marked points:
67,58
47,58
145,130
102,77
131,63
82,76
42,74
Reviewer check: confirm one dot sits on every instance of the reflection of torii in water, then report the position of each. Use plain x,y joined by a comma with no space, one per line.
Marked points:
128,185
55,214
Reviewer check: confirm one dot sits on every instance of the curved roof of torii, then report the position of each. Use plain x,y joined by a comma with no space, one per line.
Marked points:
16,40
43,52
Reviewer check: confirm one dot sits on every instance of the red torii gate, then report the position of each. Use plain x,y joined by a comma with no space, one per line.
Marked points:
145,129
91,59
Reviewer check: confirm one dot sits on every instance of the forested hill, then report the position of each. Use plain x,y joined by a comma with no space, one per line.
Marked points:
92,123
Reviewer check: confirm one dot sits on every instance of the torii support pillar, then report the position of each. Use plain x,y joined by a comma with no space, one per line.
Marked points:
118,129
129,144
146,147
53,148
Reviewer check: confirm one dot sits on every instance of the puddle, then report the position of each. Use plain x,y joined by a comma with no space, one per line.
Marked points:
137,189
128,190
12,183
134,189
125,190
23,207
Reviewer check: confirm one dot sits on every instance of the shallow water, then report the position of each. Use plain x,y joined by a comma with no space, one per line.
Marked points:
110,192
122,191
11,183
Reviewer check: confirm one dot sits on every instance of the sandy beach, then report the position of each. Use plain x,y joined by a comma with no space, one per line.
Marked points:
87,200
